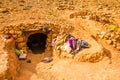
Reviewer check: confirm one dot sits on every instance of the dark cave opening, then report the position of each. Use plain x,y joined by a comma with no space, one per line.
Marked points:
37,43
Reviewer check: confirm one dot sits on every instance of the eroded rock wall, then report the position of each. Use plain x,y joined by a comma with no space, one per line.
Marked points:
22,31
8,60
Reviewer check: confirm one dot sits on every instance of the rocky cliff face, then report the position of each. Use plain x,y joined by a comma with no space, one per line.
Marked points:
9,61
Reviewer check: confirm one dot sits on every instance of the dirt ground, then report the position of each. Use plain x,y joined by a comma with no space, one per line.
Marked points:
27,68
23,11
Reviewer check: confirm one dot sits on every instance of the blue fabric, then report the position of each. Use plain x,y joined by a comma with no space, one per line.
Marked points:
111,31
84,44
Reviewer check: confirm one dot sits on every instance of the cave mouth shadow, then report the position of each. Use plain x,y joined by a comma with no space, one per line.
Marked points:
36,43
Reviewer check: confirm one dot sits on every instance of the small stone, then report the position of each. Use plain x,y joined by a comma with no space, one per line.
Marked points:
6,32
108,35
109,41
12,32
21,39
118,47
21,45
118,44
27,7
117,33
110,38
113,40
117,37
5,11
71,7
54,35
102,34
32,17
21,1
114,45
99,7
106,38
19,32
72,16
28,61
70,56
14,36
112,35
48,48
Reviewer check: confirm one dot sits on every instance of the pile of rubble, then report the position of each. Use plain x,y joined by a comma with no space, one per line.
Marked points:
112,37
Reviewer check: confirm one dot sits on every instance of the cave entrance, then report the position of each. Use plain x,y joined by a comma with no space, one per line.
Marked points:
37,43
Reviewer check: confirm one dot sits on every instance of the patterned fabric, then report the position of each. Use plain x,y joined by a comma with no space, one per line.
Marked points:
60,41
84,44
53,42
77,44
71,42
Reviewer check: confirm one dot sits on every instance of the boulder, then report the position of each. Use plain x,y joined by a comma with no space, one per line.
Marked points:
21,45
12,32
93,54
20,39
109,41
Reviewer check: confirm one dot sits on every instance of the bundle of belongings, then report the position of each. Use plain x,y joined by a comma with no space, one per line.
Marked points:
69,43
113,28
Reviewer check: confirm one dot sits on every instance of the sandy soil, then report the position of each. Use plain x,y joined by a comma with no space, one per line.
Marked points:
27,67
